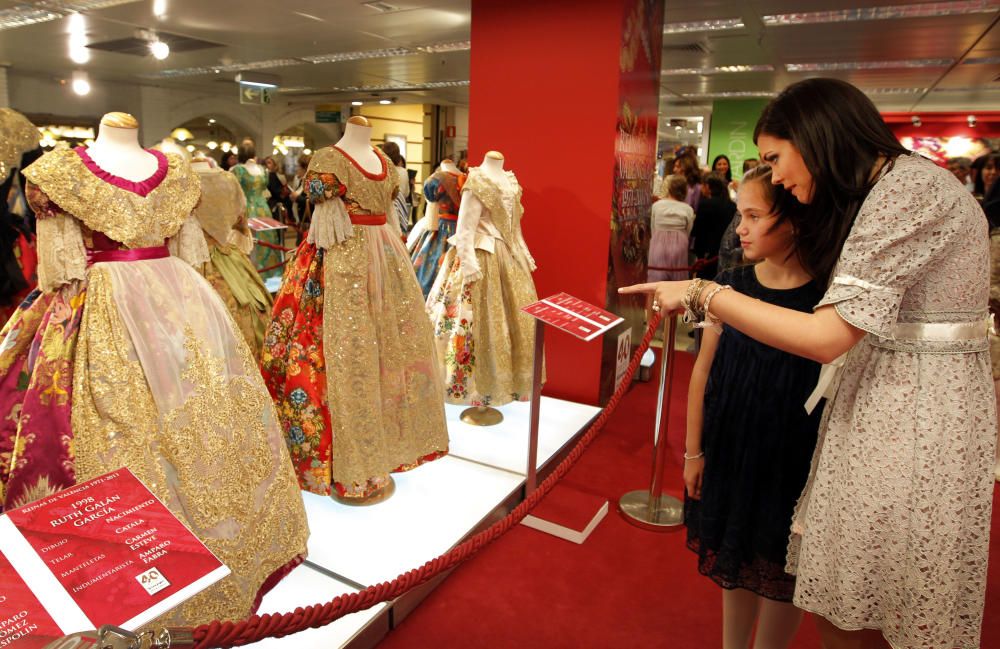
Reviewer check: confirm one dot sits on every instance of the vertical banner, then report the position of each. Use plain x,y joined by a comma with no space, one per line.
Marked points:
634,168
731,133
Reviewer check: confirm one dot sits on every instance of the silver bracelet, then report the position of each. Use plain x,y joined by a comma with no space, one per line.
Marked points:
694,457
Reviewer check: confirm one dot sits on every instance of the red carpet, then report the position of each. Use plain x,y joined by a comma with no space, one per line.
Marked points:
624,587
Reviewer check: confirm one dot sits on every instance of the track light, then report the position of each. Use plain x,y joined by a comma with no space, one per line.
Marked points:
159,50
972,120
915,120
80,84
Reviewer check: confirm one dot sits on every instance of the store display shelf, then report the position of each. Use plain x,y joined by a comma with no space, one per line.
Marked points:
505,446
305,586
434,508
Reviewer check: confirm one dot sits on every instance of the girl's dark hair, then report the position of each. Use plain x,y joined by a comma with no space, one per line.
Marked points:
716,185
729,171
246,151
840,135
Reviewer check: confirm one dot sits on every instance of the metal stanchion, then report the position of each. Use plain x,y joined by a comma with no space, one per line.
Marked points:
536,399
654,510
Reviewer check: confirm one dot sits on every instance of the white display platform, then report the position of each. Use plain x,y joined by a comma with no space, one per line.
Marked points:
303,587
505,445
434,507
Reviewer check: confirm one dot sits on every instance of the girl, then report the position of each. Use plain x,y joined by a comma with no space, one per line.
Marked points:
749,439
891,533
672,221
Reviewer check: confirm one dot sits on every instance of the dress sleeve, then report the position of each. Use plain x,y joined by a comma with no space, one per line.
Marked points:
189,243
323,186
911,218
469,214
62,257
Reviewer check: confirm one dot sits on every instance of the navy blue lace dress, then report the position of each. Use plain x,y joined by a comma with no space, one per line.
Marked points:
758,442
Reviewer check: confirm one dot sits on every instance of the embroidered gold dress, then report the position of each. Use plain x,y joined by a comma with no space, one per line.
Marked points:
349,354
222,215
126,357
485,341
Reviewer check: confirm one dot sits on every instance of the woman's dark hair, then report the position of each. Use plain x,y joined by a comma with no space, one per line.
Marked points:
246,151
729,170
717,185
689,169
391,150
840,135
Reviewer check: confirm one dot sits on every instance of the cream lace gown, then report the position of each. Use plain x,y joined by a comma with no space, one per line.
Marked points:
485,341
127,357
892,529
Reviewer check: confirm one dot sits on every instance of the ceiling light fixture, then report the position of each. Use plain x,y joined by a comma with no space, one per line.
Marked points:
181,134
23,14
972,121
159,8
81,84
357,103
982,60
159,49
211,120
440,48
922,10
915,120
731,94
720,69
257,79
212,145
703,26
385,102
868,65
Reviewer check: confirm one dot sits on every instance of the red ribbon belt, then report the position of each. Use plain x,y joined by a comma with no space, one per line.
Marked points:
368,219
132,254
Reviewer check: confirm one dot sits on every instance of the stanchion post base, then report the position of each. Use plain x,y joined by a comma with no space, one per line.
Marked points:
382,495
481,416
636,510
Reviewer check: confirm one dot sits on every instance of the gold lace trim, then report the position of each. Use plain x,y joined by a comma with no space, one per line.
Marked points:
17,136
373,196
491,195
62,257
124,216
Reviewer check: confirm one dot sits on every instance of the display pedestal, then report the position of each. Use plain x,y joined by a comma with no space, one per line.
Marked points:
568,513
380,496
482,416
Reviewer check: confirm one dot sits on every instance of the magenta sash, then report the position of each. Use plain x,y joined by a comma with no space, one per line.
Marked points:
133,254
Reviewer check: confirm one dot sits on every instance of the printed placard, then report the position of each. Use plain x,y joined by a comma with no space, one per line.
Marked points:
105,551
573,315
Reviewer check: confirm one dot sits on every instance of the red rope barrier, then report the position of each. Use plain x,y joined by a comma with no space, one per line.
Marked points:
258,627
273,246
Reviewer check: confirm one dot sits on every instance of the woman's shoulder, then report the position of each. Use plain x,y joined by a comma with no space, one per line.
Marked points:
916,184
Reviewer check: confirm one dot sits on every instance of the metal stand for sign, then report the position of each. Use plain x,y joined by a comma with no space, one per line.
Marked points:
654,510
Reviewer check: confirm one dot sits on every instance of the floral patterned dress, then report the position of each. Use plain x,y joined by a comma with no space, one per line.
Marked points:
126,357
254,185
229,269
443,190
485,341
349,355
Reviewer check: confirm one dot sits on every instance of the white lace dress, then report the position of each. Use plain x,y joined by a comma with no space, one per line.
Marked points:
892,529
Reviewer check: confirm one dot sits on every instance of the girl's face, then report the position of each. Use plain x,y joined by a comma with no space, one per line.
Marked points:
678,168
759,237
990,174
788,169
721,166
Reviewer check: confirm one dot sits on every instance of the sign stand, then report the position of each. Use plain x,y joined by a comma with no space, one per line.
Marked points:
566,512
654,510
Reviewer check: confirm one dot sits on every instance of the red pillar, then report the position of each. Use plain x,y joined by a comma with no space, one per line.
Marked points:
568,92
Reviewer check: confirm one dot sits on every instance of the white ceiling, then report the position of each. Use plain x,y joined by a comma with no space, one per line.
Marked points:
250,31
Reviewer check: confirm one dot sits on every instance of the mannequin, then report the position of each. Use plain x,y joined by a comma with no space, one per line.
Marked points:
492,166
201,165
249,149
357,143
117,151
449,165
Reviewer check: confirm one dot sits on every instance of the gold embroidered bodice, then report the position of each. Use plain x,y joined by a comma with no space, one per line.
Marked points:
17,136
222,205
363,193
504,207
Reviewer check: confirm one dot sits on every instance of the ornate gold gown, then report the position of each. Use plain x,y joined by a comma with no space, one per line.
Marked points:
349,354
485,341
222,215
127,357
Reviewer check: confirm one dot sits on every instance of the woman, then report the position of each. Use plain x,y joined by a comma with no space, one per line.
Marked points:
890,536
687,165
671,221
721,167
714,214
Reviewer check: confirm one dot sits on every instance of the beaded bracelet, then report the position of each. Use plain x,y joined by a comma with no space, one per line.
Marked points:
710,320
692,313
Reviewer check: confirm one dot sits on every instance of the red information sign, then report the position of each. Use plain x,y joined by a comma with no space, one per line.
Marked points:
264,223
105,551
573,315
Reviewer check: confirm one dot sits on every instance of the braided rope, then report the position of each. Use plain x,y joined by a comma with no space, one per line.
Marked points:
258,627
